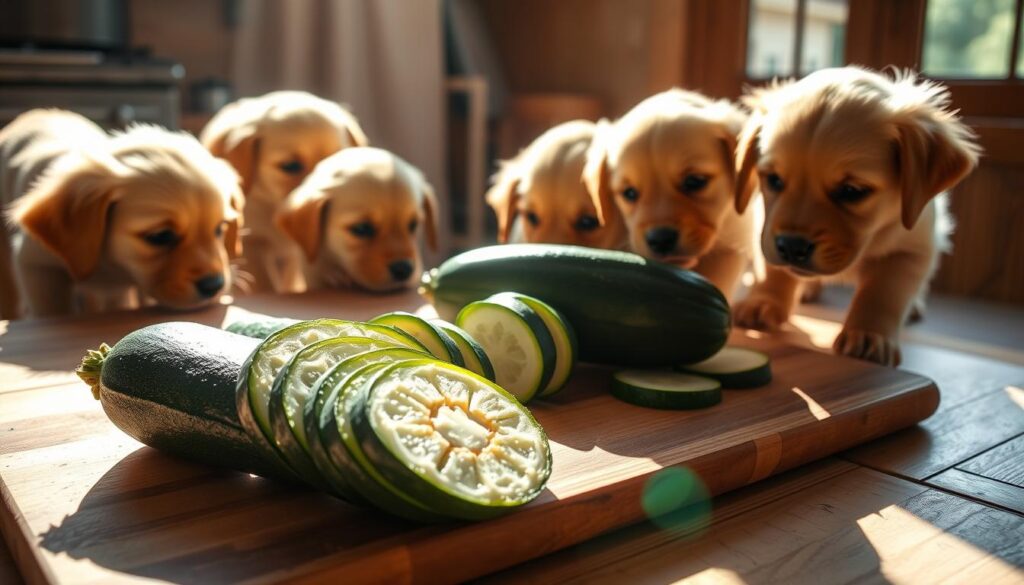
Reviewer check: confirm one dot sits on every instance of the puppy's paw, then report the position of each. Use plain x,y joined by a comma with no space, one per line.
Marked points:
760,312
868,345
811,291
916,313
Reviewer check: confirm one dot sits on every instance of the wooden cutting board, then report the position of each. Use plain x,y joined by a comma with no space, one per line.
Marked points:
83,502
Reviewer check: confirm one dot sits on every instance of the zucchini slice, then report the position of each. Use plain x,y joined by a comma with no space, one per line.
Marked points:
449,438
734,367
563,335
665,390
436,341
517,342
348,462
292,389
473,355
319,413
256,380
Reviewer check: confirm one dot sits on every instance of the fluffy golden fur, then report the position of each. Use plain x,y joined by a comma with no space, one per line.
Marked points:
539,196
274,141
668,167
850,163
142,215
357,218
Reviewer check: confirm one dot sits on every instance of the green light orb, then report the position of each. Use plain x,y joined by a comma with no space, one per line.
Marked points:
676,499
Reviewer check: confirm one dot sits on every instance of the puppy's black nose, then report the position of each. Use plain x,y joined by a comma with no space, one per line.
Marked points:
662,240
210,285
794,249
400,269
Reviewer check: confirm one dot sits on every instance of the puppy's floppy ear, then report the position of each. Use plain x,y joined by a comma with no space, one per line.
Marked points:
430,213
355,135
597,176
730,120
748,150
302,219
232,238
503,197
69,208
236,143
935,151
351,132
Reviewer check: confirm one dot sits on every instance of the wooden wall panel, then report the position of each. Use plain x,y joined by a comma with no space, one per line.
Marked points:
191,32
988,245
716,48
620,52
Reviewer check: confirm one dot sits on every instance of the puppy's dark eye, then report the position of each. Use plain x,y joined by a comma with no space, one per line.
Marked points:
532,218
413,225
586,223
847,193
292,167
219,230
775,182
363,230
165,238
693,184
630,194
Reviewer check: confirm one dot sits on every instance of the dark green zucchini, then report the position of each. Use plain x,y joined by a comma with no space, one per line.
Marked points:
627,310
172,386
259,327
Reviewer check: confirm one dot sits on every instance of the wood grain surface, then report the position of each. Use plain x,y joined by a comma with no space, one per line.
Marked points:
832,522
1004,463
85,503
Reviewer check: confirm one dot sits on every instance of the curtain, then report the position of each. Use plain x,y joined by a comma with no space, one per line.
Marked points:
383,59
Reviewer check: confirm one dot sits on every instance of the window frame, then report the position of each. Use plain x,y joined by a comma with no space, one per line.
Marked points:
898,29
799,30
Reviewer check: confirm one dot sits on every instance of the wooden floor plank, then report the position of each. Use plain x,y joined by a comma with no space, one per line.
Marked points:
1004,463
948,438
958,323
860,526
961,377
981,488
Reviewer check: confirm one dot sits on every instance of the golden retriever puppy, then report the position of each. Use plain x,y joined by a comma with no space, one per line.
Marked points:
850,163
274,141
357,217
539,196
145,215
668,167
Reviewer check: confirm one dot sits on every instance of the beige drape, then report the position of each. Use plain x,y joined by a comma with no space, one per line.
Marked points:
383,59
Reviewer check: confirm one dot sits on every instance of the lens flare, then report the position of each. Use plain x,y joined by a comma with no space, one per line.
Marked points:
676,499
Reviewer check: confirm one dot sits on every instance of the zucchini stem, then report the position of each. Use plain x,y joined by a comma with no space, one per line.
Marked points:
91,367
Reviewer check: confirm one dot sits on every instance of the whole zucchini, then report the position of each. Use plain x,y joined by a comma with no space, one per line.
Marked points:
172,387
627,310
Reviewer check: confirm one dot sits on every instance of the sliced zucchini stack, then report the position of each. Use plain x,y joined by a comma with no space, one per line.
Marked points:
422,436
293,388
734,367
665,390
516,339
437,342
473,355
320,412
259,374
562,333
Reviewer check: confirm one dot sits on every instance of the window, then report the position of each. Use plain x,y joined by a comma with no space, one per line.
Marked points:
970,39
785,32
1020,47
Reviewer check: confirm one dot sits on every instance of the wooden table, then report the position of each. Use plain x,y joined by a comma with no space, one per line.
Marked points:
939,501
